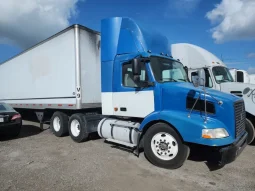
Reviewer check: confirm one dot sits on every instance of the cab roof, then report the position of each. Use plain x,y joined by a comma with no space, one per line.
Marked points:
194,56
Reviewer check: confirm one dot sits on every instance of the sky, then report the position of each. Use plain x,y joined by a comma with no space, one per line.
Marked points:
224,27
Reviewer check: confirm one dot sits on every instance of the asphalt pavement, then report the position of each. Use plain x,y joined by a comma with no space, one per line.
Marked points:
40,161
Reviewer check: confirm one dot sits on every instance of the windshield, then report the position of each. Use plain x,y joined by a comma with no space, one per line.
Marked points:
166,70
222,74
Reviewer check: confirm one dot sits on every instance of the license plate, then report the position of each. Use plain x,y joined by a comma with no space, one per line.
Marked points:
1,120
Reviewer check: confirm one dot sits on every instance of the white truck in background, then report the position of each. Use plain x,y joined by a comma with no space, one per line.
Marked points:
240,75
252,78
218,77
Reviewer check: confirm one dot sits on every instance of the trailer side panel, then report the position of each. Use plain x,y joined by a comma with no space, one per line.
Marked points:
42,77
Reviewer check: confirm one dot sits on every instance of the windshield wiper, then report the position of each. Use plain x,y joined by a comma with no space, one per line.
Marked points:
182,80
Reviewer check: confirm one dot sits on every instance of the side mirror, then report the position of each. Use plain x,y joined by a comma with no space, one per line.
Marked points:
201,76
200,79
136,67
186,70
195,81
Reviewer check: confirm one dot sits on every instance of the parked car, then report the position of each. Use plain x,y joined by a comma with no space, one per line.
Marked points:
10,120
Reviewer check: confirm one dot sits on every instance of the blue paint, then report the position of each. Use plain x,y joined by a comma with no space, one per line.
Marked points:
123,40
122,36
173,110
106,76
190,128
110,29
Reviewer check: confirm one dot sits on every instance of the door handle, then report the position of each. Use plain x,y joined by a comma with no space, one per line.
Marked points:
123,109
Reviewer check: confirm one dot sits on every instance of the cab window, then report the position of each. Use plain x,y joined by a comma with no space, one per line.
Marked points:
240,76
128,78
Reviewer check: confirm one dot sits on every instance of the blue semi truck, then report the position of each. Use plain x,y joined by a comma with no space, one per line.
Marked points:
124,84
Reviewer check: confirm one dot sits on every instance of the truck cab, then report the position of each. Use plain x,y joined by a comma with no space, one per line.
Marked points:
218,77
148,100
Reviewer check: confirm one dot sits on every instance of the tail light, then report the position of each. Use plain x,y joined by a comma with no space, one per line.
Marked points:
17,116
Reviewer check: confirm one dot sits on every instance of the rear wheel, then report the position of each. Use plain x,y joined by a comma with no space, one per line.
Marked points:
250,130
59,124
164,148
77,128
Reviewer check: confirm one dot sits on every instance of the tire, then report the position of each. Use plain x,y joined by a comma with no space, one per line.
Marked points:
250,130
156,147
77,128
59,124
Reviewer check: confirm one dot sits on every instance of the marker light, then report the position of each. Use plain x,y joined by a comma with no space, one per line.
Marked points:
214,133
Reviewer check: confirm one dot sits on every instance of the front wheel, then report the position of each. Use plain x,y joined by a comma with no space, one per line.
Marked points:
164,148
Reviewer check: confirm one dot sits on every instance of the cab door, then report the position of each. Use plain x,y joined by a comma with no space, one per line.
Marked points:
130,99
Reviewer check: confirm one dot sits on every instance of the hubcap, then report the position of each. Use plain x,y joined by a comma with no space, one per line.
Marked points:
56,124
164,146
75,128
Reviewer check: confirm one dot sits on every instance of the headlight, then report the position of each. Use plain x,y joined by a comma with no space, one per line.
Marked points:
214,133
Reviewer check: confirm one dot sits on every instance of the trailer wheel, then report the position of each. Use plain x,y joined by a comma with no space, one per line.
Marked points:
164,148
250,130
77,128
59,124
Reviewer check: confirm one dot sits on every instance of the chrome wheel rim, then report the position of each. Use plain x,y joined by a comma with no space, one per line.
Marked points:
164,146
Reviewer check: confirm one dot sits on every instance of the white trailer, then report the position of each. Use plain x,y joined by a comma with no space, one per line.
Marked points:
53,74
217,77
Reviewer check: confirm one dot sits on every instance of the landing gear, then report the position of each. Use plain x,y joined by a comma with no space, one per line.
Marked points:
40,117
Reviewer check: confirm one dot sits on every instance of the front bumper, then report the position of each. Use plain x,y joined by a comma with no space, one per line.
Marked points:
230,153
7,127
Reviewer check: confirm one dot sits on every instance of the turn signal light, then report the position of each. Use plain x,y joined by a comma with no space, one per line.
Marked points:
207,136
217,133
17,116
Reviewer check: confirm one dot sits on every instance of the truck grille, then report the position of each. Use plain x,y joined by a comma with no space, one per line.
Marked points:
240,117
